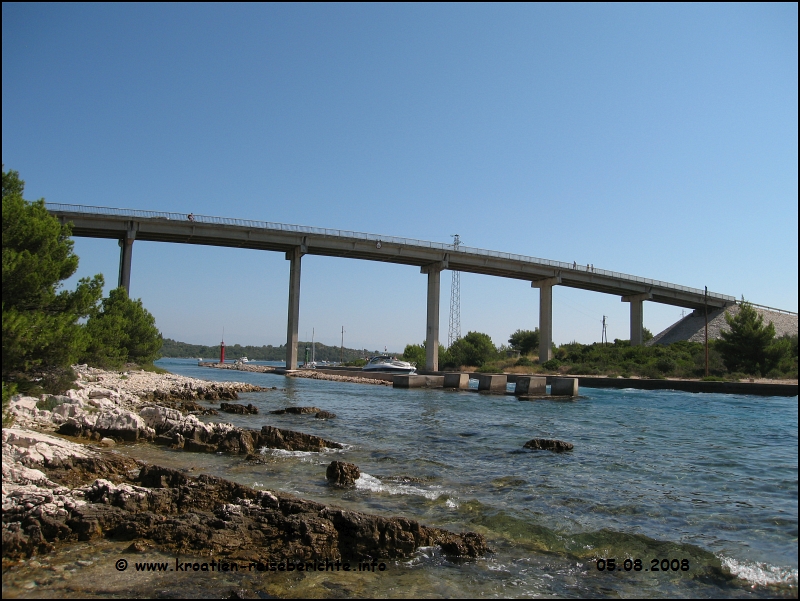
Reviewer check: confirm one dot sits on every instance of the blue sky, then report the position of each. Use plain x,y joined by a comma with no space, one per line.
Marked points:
655,140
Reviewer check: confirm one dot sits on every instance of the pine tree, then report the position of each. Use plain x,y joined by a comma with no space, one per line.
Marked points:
40,323
746,346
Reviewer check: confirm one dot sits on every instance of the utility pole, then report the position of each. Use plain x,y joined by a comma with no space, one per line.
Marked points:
705,302
604,336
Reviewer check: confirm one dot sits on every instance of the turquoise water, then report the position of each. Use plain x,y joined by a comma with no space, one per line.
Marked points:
707,478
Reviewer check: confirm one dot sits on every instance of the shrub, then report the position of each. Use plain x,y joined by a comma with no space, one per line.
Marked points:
666,365
552,365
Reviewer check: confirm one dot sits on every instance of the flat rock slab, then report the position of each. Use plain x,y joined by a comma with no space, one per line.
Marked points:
547,444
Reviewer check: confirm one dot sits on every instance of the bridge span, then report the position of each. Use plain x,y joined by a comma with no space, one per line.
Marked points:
127,225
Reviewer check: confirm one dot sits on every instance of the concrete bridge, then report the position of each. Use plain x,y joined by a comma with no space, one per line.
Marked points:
128,225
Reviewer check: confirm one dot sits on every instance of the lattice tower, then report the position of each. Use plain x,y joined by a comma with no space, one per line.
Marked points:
454,332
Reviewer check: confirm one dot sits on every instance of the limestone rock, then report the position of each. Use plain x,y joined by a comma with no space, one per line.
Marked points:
240,409
297,410
548,445
277,438
325,415
340,473
188,515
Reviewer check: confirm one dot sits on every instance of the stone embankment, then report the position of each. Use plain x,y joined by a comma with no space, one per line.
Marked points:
692,327
56,491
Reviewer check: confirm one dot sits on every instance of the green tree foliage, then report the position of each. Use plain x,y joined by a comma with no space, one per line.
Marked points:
474,349
40,323
525,341
123,330
749,346
415,353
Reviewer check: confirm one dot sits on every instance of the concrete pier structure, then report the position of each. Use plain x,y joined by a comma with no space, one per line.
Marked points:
456,380
637,316
564,386
125,257
293,323
493,382
434,271
530,385
546,316
417,381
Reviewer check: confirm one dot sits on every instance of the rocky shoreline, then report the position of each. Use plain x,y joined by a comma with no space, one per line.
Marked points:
58,491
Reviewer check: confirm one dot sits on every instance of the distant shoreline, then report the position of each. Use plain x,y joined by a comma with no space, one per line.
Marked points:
762,387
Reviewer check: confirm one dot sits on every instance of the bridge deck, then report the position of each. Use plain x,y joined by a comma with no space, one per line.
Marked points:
104,222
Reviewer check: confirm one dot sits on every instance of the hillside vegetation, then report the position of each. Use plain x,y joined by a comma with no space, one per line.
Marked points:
322,352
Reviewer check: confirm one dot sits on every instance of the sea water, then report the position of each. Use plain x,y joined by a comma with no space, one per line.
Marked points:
701,489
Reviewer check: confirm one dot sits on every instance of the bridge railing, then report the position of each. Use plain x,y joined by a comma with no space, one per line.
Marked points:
410,242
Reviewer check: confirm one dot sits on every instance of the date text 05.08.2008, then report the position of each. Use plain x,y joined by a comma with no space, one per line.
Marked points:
656,565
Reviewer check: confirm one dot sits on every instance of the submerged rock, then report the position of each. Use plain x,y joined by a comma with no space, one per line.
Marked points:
277,438
296,410
340,473
240,409
325,415
548,444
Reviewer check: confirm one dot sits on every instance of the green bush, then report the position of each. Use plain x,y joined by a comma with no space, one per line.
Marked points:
552,364
9,390
415,353
666,365
525,341
475,349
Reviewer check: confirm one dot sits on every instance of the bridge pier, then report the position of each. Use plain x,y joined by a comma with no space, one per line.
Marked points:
125,256
434,271
546,316
637,316
293,324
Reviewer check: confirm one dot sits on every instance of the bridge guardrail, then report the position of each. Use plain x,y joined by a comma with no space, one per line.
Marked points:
302,229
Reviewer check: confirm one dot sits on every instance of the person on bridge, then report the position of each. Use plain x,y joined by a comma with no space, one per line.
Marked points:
191,216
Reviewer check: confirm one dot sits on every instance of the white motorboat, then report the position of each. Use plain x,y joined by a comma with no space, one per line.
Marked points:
244,360
389,364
